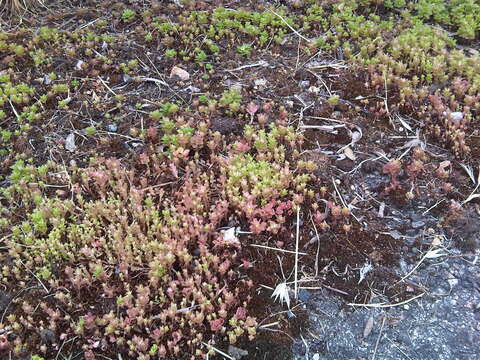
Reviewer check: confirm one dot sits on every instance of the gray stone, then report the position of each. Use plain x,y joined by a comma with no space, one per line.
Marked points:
236,352
112,127
418,224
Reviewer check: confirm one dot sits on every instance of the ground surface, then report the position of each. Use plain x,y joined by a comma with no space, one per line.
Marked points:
409,241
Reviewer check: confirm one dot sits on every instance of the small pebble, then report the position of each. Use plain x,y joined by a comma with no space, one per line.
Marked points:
112,127
418,224
304,83
456,116
453,282
236,352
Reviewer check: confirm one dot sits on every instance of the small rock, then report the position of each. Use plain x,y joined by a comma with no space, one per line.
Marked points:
48,336
47,80
314,89
79,64
112,127
316,357
473,51
196,252
304,83
453,282
260,83
236,352
70,142
179,72
456,116
418,224
230,236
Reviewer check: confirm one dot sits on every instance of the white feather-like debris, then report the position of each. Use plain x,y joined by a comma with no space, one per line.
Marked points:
364,271
281,294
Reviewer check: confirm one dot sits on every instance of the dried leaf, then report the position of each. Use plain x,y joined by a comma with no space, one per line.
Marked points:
327,128
433,254
437,241
349,153
375,256
356,135
395,234
70,142
79,65
260,83
413,143
312,241
444,164
368,327
381,210
471,197
404,123
469,171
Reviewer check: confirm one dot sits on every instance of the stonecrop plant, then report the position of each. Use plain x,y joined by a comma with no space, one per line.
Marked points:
131,260
259,180
127,253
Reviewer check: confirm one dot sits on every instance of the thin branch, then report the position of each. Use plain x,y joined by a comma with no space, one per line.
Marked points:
291,28
383,305
277,249
218,351
296,252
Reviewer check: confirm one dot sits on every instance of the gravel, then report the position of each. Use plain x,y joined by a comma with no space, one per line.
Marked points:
443,324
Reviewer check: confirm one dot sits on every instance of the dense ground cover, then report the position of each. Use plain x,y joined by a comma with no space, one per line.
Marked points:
165,165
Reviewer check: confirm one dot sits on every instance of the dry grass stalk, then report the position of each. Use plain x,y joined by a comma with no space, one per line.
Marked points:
16,6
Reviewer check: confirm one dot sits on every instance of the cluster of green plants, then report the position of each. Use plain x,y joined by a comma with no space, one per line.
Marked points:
405,51
218,25
259,179
135,263
462,16
405,45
